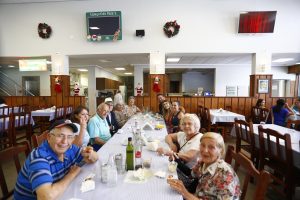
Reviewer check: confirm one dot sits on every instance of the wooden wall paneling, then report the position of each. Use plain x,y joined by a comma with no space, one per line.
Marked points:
221,103
235,104
289,101
146,101
201,101
19,100
53,101
139,102
248,106
227,102
214,103
173,99
14,101
187,104
77,102
241,106
181,101
207,102
71,101
194,105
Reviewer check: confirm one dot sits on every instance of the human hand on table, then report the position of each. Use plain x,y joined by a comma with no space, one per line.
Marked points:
89,155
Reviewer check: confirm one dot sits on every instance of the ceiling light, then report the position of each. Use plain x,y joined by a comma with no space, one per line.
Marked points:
11,66
128,73
173,59
94,28
120,68
281,60
105,61
298,63
48,62
82,70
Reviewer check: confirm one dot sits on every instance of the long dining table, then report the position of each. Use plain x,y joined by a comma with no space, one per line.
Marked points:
218,115
153,188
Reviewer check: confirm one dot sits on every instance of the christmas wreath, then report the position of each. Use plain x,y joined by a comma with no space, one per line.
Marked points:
44,30
171,28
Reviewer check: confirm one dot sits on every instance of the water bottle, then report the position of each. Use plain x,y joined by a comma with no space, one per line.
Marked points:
112,174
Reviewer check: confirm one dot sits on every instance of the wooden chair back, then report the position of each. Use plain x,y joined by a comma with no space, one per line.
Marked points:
37,140
21,125
68,111
5,110
276,153
6,131
263,177
9,154
294,124
59,113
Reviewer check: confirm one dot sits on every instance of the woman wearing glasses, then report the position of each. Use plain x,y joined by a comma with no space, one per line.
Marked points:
80,118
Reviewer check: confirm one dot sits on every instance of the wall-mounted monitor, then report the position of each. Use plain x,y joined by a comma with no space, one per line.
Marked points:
257,22
33,65
104,26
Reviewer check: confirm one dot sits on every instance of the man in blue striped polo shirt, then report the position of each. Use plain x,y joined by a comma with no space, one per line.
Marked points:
98,127
51,167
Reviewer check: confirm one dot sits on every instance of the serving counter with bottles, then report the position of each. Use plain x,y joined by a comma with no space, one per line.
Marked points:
151,188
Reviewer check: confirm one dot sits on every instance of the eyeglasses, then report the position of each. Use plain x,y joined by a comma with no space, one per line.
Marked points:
63,137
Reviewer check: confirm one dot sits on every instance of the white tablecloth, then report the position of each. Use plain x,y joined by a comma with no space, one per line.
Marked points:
224,116
154,188
43,113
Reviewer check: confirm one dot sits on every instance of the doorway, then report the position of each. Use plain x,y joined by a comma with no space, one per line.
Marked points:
31,84
174,86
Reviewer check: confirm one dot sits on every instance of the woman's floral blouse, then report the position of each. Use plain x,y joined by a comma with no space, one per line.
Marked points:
218,181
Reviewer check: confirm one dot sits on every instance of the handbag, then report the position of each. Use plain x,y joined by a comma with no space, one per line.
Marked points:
189,182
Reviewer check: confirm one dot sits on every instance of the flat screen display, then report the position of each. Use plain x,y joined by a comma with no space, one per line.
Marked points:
257,22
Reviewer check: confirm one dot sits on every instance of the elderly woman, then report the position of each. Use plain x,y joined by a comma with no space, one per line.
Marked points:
120,115
177,114
80,118
131,109
217,179
184,144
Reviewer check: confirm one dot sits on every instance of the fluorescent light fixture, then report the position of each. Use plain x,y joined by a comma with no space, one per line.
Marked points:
11,66
120,68
281,60
48,62
298,63
105,61
173,59
128,73
94,28
82,70
33,65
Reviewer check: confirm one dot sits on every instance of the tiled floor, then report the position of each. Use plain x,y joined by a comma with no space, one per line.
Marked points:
10,175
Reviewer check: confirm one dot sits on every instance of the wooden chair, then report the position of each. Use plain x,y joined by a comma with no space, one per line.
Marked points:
277,157
59,113
260,115
6,131
37,140
245,140
294,124
67,112
262,178
10,154
209,126
21,126
5,110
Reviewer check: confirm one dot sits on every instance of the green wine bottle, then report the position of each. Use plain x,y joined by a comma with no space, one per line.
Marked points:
129,155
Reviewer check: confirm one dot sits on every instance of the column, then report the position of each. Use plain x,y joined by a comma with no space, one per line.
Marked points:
261,62
60,64
92,92
157,62
138,78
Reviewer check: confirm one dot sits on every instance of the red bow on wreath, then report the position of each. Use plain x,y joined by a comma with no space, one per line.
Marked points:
57,86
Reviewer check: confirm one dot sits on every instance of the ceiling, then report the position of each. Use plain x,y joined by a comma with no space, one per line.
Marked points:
188,61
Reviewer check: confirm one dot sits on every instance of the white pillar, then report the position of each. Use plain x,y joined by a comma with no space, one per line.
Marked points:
157,62
92,92
138,77
261,62
60,64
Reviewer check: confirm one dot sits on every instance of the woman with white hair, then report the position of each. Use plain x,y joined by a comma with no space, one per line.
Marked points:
131,109
217,179
119,113
184,145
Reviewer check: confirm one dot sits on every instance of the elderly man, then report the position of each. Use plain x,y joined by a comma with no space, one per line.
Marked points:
98,127
111,117
51,167
161,100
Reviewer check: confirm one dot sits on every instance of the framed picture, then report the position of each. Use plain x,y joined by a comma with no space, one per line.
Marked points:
263,86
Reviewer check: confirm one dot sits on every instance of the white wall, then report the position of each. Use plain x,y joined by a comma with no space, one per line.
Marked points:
192,80
206,26
100,73
282,73
16,75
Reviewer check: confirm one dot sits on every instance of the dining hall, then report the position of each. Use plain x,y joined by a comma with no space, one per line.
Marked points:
195,99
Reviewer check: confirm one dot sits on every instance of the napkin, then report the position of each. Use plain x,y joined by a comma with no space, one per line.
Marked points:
148,126
152,146
160,174
88,183
139,174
